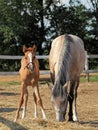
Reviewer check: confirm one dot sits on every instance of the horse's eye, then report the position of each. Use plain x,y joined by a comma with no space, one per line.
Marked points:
63,102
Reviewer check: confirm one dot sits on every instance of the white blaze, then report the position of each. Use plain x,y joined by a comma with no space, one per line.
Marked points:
30,57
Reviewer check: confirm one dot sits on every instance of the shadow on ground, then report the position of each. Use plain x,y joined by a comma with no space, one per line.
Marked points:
8,94
11,125
91,123
7,109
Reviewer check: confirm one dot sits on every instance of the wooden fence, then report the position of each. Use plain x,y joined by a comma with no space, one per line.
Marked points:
87,71
8,57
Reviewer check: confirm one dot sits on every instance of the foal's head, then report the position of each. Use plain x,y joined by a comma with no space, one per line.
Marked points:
29,56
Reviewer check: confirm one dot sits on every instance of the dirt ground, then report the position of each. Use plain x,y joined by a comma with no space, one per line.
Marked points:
87,105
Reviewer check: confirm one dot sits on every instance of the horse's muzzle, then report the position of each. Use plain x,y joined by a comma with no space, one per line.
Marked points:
60,116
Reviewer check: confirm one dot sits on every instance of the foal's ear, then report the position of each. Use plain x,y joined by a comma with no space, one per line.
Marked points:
34,48
24,48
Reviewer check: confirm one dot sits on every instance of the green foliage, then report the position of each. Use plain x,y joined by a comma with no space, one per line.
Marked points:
39,22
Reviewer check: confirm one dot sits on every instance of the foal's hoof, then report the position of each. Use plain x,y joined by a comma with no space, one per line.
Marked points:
35,115
45,118
14,120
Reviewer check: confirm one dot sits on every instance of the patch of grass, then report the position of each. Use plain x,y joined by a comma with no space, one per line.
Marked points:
83,79
92,78
9,83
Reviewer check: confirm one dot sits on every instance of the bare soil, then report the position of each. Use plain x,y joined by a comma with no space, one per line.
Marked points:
87,105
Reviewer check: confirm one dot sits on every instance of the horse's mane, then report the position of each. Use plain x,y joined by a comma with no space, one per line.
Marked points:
64,64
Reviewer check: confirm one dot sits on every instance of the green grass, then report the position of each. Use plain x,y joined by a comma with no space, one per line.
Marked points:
82,79
91,79
9,83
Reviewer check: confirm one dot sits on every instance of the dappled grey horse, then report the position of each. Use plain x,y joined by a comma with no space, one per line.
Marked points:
66,61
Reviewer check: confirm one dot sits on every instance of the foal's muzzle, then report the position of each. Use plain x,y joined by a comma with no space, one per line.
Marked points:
30,66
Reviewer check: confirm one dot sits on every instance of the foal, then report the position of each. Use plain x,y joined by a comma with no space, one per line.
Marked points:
29,75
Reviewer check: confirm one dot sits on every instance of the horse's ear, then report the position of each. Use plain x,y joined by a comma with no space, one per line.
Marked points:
24,48
34,48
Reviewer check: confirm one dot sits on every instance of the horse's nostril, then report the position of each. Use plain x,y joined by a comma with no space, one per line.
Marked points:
60,116
60,120
31,66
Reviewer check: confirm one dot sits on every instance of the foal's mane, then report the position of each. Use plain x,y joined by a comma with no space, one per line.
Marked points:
64,64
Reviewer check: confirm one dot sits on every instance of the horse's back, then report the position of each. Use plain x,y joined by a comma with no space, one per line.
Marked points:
58,42
56,47
77,53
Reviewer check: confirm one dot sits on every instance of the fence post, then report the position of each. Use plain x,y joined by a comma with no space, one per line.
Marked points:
87,67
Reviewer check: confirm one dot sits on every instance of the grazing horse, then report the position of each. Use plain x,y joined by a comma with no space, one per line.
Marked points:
66,61
29,75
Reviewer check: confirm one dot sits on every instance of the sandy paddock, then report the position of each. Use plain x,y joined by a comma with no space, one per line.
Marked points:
87,104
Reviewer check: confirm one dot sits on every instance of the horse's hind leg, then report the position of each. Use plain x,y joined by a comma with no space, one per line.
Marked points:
72,101
39,101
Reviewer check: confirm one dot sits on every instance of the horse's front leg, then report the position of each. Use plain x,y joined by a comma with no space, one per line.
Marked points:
39,101
75,115
20,102
25,102
72,101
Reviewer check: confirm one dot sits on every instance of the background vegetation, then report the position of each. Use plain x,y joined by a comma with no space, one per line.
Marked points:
40,21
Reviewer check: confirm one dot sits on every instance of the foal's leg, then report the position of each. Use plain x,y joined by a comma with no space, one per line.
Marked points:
25,102
20,101
35,105
39,101
72,101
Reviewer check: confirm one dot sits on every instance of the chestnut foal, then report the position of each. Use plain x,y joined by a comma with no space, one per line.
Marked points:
29,75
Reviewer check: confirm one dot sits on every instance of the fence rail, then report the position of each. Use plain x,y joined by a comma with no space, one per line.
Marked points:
92,56
86,70
8,57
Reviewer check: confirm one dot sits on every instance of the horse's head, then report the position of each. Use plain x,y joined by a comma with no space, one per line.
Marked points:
59,102
29,56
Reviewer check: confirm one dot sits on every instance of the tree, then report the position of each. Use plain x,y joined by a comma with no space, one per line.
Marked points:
94,8
24,20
